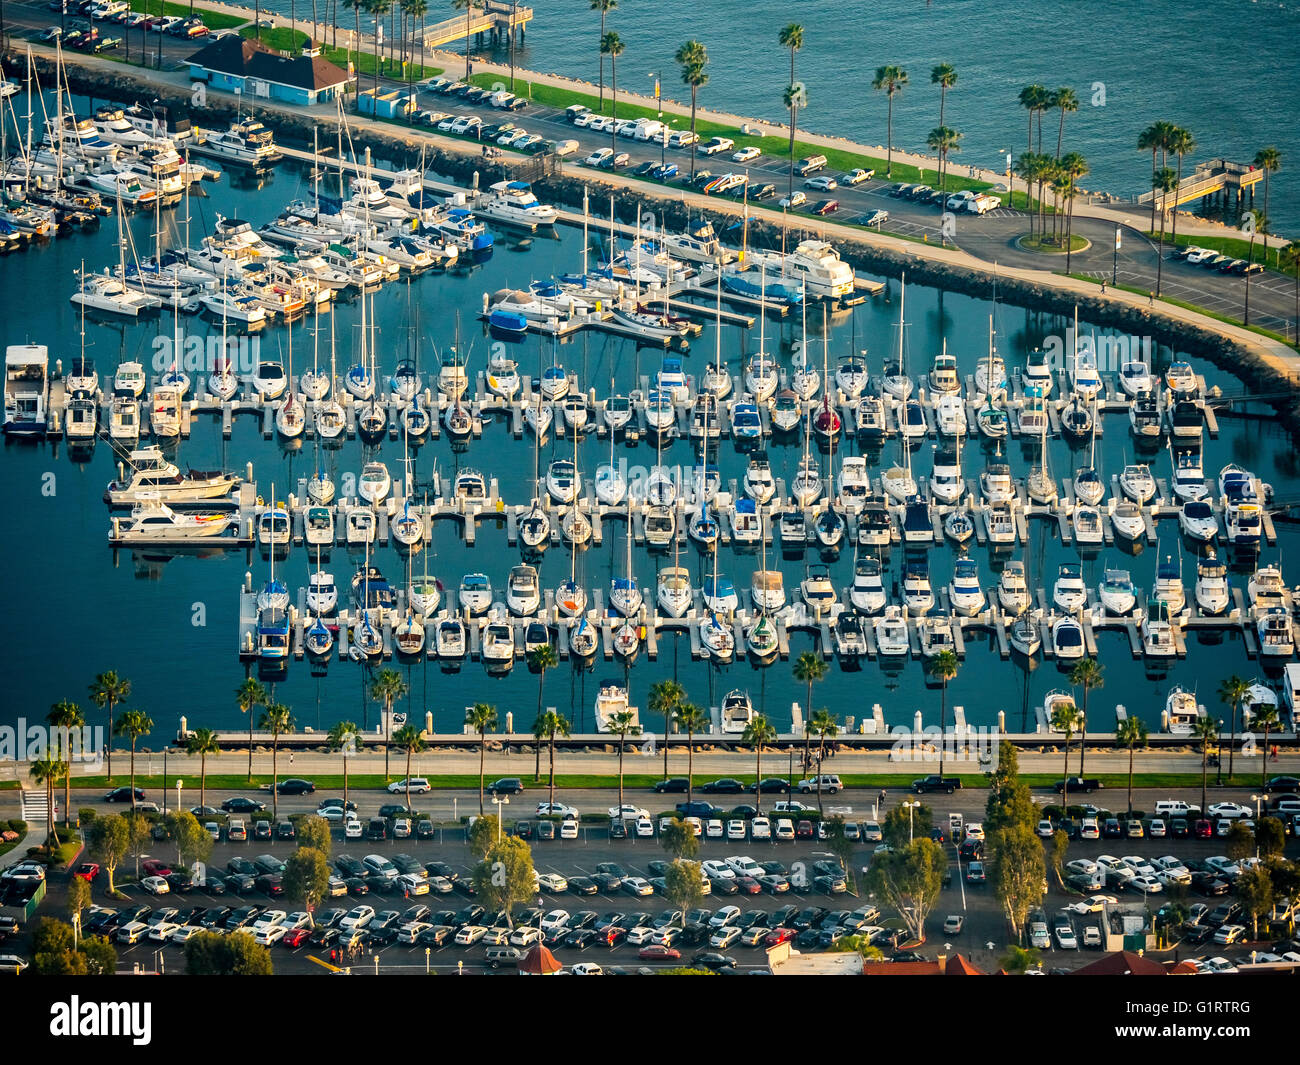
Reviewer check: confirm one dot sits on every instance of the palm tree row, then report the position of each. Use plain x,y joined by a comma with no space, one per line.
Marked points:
1060,177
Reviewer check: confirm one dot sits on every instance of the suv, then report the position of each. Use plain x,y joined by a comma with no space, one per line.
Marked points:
829,782
418,785
810,165
671,784
506,786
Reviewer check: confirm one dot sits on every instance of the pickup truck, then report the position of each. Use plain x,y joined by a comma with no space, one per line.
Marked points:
715,145
971,202
948,784
1077,784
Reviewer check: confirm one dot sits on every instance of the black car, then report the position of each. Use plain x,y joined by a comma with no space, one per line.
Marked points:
1283,784
644,169
295,786
270,884
671,784
180,882
357,886
583,885
349,805
377,829
743,812
381,937
268,863
424,829
506,786
393,809
524,829
442,869
580,938
724,885
545,830
773,868
241,805
1112,829
349,866
772,785
617,830
262,830
406,864
1209,884
95,925
435,936
214,885
216,917
469,915
285,830
1178,828
242,865
807,938
474,93
807,917
702,178
323,937
242,917
124,795
380,884
752,919
762,192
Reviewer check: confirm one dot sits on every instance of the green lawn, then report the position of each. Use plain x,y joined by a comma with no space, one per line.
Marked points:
1051,247
1234,246
775,146
284,39
214,20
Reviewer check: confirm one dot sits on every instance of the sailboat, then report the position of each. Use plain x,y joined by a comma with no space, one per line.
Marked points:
329,414
897,481
674,586
1089,488
611,487
716,380
1040,484
425,595
291,417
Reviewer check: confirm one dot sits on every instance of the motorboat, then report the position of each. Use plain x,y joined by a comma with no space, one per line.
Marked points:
1181,378
1197,520
360,526
958,526
515,203
674,594
153,476
536,636
123,417
497,648
1137,483
81,416
934,634
1243,523
1013,589
964,592
475,594
374,483
1037,378
853,483
1168,587
131,378
575,411
996,484
470,485
1069,592
1186,420
1085,523
1087,382
1127,520
1067,638
946,482
153,520
274,525
918,525
1026,635
829,527
660,413
999,523
1144,417
867,593
1135,377
869,416
1267,589
747,525
523,591
912,421
1053,701
767,589
660,525
1182,711
269,381
1117,592
849,638
449,641
918,594
817,590
1276,635
563,481
943,375
787,411
611,704
318,526
1189,475
617,413
322,593
950,415
737,712
793,527
1213,594
502,375
875,527
892,638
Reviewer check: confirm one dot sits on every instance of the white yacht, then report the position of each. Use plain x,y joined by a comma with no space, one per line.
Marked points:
964,591
814,265
853,483
1213,594
918,594
1067,638
100,292
943,374
26,390
1137,483
1127,520
475,593
245,142
946,483
891,633
1197,520
514,202
737,712
767,590
1135,377
1013,589
1182,711
523,591
1069,592
1085,523
867,593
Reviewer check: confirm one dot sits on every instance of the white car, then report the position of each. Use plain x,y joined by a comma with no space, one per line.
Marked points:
1082,866
871,832
269,936
357,917
297,919
1045,829
713,828
697,826
155,885
761,828
1148,884
640,935
637,885
857,176
796,199
822,182
469,935
525,937
1065,937
1139,865
552,882
556,809
352,828
555,919
411,885
1092,937
446,124
185,933
568,829
163,931
1229,934
745,154
724,937
1216,965
743,865
878,217
736,829
1224,866
627,812
565,148
725,916
269,919
785,830
333,813
587,968
1092,904
598,157
645,828
975,830
1228,810
1199,255
418,786
718,870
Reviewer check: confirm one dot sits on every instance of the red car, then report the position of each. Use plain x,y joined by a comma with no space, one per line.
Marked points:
1202,829
87,871
296,938
804,830
748,885
825,207
778,936
613,936
654,952
153,867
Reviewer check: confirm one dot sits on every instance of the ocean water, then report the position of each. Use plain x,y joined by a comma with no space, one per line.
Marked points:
169,622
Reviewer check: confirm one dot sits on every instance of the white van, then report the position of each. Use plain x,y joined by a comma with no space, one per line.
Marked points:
501,98
647,129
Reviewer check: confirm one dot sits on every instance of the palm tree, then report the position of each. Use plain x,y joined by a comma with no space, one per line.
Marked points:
604,7
1065,101
1207,731
809,668
378,9
889,80
1266,720
1268,160
622,724
693,57
1026,168
945,76
791,36
1033,98
611,44
794,97
410,739
1131,733
65,715
481,717
758,732
468,6
387,688
1065,716
1181,143
203,742
824,725
1087,674
539,661
1165,182
554,724
343,738
1234,692
249,694
276,719
133,724
665,697
106,691
1074,166
356,6
690,719
943,667
943,141
1155,139
1289,256
46,772
418,9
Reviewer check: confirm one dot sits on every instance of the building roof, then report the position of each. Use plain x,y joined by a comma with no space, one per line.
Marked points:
1122,963
246,58
953,965
539,961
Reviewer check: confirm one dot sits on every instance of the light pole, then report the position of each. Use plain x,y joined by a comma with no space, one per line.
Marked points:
1011,192
1255,799
376,964
1114,259
179,784
426,961
1218,774
499,801
910,806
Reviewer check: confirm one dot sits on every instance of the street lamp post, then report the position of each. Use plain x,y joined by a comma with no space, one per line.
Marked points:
179,784
499,801
910,819
426,961
1114,259
1218,775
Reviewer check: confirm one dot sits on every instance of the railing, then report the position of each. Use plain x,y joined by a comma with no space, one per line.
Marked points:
494,14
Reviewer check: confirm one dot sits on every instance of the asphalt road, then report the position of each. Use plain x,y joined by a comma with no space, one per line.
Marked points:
991,237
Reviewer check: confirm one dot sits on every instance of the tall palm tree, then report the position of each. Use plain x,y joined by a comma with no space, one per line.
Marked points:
356,6
554,725
1087,673
1233,691
943,667
539,734
889,80
408,738
794,97
1268,160
203,742
133,724
541,659
1267,721
943,141
611,44
1026,168
418,9
809,669
1165,182
481,717
468,6
1206,731
106,691
378,9
65,715
824,725
387,687
690,719
945,76
665,697
343,737
1181,143
1074,166
46,772
277,720
604,7
758,732
622,724
1033,98
791,36
251,693
693,57
1065,718
1131,733
1067,102
1155,139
